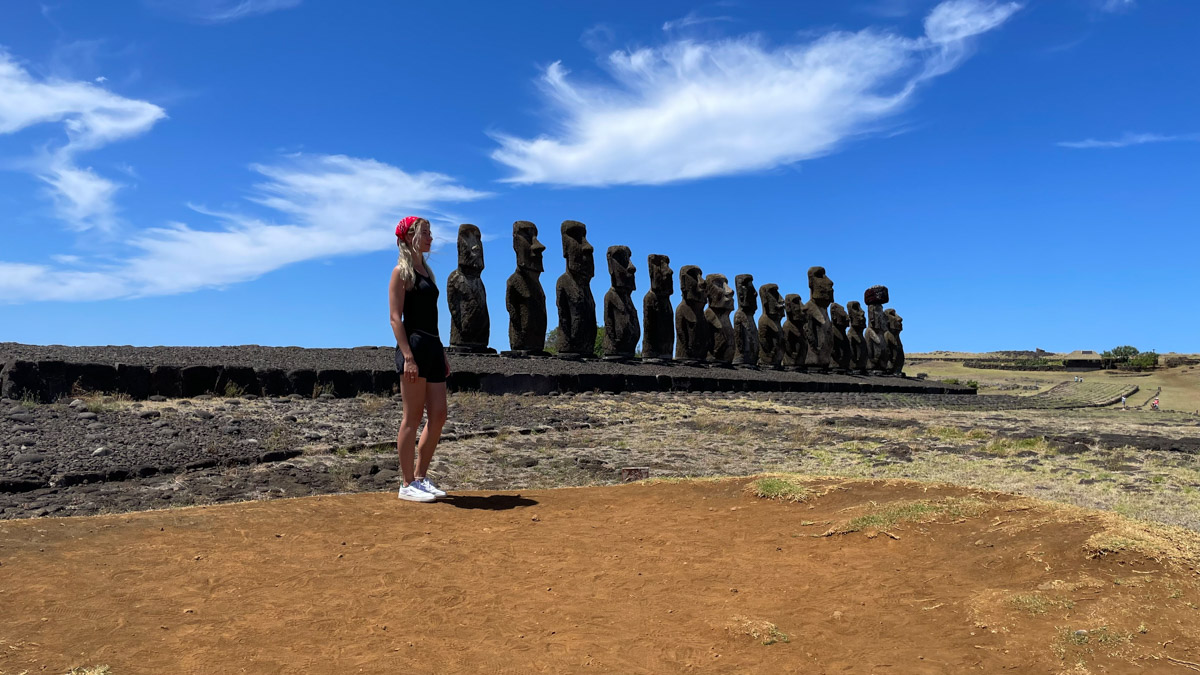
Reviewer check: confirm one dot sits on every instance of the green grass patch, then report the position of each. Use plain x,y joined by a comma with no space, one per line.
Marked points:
781,488
910,512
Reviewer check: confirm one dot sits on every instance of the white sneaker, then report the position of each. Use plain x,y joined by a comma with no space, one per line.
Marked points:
426,485
412,493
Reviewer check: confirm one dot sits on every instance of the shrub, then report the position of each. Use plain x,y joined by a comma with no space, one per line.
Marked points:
1144,360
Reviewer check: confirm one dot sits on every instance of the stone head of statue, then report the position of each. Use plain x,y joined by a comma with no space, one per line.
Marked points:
720,295
620,267
529,249
470,249
894,322
772,301
747,297
876,295
662,277
793,307
692,285
820,287
837,315
580,255
858,318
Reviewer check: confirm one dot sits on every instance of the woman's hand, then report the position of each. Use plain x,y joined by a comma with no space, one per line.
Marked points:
410,370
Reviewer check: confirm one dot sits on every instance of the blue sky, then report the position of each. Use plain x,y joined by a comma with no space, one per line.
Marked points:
206,172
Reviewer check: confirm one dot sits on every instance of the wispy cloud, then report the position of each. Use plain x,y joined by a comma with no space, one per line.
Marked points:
692,19
330,205
90,117
692,109
220,11
1128,140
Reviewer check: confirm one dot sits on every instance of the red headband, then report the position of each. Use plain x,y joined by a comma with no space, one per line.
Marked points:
404,226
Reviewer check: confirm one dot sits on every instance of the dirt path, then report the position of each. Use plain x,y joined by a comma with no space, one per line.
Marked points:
665,577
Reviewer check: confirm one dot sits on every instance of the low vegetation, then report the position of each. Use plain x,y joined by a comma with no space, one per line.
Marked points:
888,516
764,631
781,488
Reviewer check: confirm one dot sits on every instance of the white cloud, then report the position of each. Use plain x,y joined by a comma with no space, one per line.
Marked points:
81,198
333,205
91,117
692,19
692,109
1128,140
220,11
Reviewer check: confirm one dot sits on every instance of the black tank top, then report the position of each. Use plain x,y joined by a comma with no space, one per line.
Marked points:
420,306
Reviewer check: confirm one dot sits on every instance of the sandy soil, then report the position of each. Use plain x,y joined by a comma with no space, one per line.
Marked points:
646,578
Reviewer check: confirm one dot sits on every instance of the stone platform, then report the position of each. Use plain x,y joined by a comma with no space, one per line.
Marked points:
49,372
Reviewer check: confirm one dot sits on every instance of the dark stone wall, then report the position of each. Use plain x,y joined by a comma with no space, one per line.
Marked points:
49,380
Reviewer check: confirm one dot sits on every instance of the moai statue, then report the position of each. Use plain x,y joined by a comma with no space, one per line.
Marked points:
720,305
523,294
875,297
658,338
818,330
470,326
770,332
795,346
573,294
745,338
693,335
840,354
858,344
895,348
621,327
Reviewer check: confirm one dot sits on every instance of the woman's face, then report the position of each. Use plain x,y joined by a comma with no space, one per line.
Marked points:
423,240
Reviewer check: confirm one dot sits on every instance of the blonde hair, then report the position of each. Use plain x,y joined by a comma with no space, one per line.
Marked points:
408,253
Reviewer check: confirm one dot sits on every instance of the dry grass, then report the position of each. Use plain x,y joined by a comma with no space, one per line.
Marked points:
1166,544
1036,604
764,631
1007,447
98,402
1180,385
372,404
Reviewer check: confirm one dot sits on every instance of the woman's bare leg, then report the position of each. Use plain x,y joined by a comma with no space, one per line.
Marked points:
413,394
435,419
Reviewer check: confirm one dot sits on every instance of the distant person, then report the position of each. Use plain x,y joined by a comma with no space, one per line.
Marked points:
1154,404
420,359
1123,407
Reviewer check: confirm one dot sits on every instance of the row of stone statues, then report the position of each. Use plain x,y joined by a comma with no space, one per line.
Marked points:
792,335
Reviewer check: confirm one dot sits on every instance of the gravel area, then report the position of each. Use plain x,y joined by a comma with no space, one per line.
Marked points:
58,460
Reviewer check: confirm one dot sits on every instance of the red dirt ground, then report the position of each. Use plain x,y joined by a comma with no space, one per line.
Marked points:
643,578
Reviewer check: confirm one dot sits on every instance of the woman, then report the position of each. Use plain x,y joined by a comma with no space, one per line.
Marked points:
420,359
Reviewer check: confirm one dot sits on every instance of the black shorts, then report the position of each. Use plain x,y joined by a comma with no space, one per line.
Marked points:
428,353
